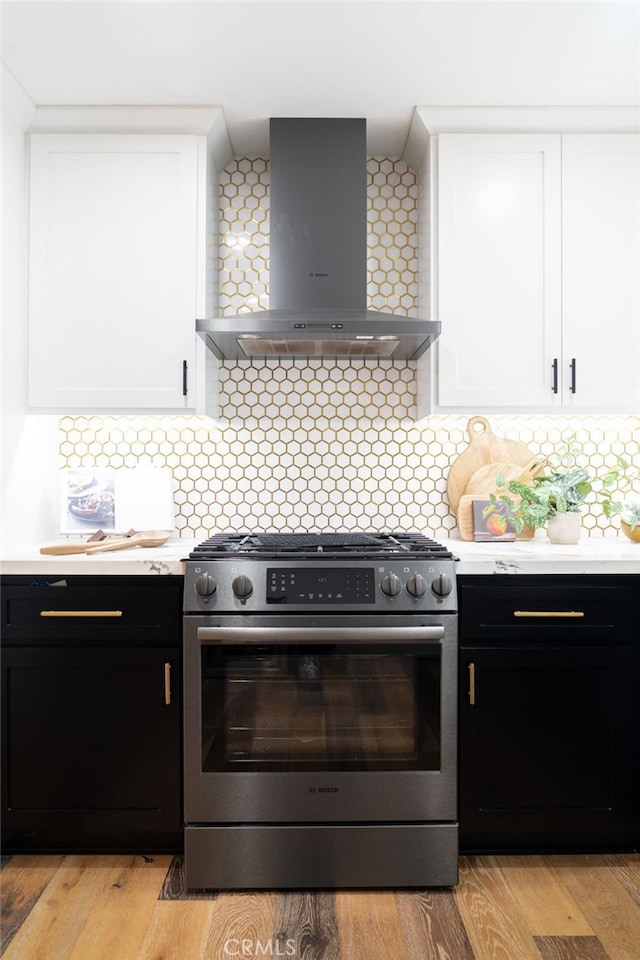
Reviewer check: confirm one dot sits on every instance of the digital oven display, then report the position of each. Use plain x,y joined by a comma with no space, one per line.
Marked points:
320,586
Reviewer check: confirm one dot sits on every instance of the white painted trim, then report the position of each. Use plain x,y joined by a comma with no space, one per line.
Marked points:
138,118
417,145
515,119
430,121
189,119
16,104
202,120
218,143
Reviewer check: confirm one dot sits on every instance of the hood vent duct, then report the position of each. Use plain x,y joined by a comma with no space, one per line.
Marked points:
318,258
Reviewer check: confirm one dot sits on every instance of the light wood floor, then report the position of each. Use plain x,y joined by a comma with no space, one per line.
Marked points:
505,908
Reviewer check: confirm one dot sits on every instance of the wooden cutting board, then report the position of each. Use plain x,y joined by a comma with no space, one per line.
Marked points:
465,516
484,448
483,481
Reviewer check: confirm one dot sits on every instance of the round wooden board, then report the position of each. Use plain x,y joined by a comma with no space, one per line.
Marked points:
484,448
483,481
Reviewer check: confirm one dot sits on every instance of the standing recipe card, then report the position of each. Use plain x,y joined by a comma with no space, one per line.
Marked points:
116,501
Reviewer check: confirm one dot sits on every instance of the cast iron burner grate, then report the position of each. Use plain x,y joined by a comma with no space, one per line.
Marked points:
314,541
320,545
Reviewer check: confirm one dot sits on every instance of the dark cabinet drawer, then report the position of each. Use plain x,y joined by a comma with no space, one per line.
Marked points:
145,609
549,609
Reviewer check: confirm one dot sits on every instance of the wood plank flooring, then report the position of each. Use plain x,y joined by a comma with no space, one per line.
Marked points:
505,908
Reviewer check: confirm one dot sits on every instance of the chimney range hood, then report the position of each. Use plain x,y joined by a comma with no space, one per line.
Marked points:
318,258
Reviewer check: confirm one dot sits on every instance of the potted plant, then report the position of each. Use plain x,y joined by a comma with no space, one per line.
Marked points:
617,480
630,520
554,500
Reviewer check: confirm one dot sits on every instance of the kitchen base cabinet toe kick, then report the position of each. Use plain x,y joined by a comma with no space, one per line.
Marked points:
91,722
548,715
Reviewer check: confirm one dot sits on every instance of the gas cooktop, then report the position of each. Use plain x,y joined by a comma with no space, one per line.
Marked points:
320,546
301,572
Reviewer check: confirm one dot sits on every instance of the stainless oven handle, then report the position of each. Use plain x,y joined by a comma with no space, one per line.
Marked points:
301,635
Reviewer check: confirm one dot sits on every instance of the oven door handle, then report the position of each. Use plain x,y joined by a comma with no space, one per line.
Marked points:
301,635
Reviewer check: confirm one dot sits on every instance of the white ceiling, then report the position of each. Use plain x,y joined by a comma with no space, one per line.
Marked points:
373,60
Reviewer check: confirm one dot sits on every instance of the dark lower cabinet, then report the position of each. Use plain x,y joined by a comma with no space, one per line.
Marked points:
91,722
548,734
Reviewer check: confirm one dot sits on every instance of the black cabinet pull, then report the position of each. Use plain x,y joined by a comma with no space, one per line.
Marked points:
554,367
185,368
572,367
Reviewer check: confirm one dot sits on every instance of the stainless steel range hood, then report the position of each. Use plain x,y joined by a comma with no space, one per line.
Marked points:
318,258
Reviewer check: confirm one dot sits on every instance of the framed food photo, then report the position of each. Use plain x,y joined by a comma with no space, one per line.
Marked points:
492,521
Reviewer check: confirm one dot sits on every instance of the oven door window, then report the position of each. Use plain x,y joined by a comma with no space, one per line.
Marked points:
283,708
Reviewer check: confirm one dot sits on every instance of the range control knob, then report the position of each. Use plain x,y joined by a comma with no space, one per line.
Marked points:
205,585
417,585
391,585
442,585
242,587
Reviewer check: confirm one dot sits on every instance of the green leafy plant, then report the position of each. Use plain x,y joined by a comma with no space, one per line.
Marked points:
561,491
564,490
617,480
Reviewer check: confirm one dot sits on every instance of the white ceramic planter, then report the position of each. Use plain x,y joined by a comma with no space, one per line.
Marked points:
564,528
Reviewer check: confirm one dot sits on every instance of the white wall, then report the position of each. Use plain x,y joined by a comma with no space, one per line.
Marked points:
29,451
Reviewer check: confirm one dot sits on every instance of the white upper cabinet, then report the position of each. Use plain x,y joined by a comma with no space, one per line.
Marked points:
115,237
538,265
498,268
601,270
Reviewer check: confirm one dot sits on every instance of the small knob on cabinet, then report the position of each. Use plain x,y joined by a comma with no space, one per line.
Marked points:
417,585
242,587
391,585
205,585
442,585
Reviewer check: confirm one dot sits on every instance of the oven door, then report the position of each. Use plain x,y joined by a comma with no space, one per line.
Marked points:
344,719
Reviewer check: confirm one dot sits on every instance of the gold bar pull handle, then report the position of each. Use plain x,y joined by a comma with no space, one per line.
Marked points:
569,614
472,684
167,684
81,613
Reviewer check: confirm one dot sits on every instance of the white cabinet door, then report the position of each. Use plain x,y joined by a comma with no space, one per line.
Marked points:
112,271
498,269
539,271
601,271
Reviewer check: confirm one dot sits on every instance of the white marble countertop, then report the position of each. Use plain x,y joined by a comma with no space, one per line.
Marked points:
590,555
600,555
167,559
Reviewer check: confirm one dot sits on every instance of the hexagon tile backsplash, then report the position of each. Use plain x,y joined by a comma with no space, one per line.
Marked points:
312,446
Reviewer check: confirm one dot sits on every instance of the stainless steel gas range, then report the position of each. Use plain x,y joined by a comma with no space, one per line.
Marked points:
320,711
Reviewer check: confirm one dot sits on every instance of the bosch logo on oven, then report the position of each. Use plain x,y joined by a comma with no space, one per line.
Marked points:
324,789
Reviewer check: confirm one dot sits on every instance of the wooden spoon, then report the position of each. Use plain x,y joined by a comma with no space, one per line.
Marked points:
60,549
146,538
